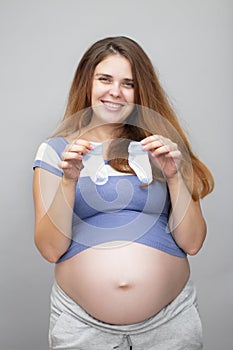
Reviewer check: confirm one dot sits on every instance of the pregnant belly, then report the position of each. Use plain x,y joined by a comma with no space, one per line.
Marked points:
122,283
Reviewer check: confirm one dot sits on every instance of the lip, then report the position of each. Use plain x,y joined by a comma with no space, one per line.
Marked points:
112,105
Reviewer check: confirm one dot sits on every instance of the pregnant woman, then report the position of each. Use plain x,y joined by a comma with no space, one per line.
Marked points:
117,194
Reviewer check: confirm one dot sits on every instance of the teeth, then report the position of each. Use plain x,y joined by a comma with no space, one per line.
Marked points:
113,105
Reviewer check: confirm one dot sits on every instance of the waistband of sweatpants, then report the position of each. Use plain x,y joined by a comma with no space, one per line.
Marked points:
186,298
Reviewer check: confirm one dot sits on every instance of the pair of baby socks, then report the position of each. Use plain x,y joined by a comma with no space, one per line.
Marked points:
138,160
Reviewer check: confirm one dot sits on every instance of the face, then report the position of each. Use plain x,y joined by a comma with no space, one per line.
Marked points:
112,89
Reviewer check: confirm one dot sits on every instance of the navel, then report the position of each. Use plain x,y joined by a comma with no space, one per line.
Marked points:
124,285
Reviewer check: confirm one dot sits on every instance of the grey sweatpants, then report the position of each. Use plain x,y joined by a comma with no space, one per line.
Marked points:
176,327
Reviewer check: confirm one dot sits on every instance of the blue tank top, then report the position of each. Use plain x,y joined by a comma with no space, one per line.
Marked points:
118,210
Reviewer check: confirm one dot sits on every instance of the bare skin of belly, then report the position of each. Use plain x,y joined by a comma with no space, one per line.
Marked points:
122,282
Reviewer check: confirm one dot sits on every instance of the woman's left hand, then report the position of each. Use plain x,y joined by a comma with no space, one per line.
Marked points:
165,153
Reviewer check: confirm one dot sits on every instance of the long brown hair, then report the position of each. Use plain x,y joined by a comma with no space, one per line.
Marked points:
151,101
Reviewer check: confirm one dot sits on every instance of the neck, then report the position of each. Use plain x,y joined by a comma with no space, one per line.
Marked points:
101,133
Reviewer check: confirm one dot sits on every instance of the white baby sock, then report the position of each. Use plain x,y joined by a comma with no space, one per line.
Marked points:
94,165
139,162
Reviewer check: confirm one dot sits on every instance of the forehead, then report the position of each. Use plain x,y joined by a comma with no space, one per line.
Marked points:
115,65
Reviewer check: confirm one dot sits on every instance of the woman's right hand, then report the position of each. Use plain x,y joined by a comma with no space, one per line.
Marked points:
71,162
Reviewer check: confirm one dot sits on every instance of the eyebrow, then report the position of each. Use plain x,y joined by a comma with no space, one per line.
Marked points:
110,76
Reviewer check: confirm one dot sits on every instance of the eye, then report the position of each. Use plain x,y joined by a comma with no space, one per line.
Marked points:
105,79
128,84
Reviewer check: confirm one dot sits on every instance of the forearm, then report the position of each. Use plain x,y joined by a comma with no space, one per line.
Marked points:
53,231
186,221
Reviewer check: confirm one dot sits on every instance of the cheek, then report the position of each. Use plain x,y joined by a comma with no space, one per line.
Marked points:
98,90
130,96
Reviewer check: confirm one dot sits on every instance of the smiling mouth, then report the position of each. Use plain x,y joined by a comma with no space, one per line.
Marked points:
114,106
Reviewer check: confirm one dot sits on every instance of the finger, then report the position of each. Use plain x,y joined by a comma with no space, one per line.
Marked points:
80,146
67,156
165,149
152,145
174,154
166,141
155,137
81,149
65,165
79,166
156,141
84,143
175,157
150,139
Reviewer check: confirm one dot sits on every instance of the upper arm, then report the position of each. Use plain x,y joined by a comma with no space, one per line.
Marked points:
45,185
47,175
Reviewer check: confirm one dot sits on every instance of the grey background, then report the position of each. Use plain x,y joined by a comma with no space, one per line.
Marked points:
190,43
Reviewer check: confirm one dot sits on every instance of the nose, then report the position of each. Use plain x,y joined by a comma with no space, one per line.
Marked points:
115,90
